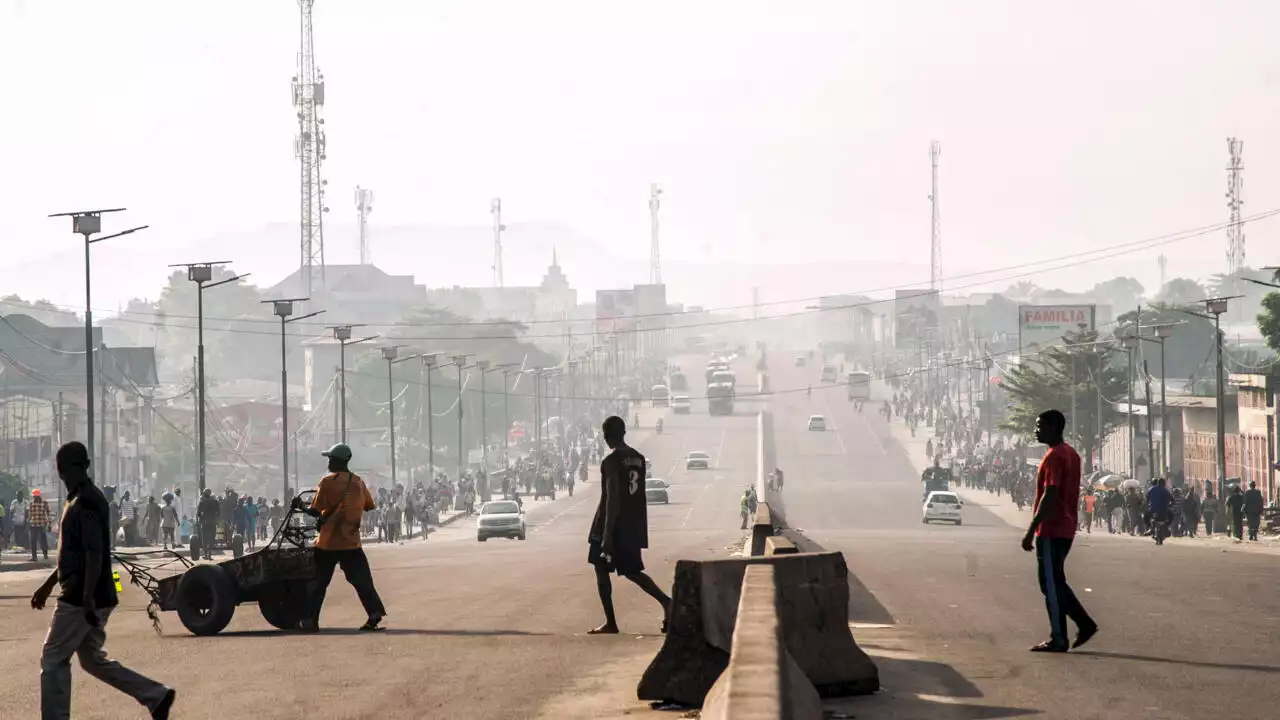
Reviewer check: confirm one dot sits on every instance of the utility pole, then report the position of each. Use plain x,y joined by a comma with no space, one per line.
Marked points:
495,208
429,363
309,149
655,256
1130,343
89,223
1217,306
935,235
460,362
364,206
1163,263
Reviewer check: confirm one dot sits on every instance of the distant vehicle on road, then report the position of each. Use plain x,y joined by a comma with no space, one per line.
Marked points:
679,382
817,423
697,460
661,396
500,518
941,505
655,492
681,405
799,361
829,374
720,399
859,385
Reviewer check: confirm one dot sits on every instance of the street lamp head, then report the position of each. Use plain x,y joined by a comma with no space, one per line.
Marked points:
200,273
429,359
341,333
1216,306
483,365
1164,332
390,352
282,308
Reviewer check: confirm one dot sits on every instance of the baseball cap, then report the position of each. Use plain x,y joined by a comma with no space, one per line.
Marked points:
35,493
339,451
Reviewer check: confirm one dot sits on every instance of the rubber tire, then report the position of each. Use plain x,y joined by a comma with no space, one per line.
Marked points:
194,543
959,522
284,604
237,545
206,584
925,521
481,538
520,536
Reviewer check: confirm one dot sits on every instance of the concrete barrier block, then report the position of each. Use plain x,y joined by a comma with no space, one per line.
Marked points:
779,545
813,607
762,681
761,528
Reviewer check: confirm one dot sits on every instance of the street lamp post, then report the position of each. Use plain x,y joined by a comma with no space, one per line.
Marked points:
390,353
429,363
88,223
1217,306
485,369
1163,332
283,309
460,361
987,362
342,333
1130,342
201,274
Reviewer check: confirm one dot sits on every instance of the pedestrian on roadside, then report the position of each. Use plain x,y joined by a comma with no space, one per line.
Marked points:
742,508
1235,507
39,520
1210,509
168,523
1052,531
620,529
1253,503
88,595
18,521
340,502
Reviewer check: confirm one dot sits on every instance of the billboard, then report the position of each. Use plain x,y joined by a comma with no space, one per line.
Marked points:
915,317
1041,326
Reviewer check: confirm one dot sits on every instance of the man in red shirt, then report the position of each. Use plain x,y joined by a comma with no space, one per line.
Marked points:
1053,528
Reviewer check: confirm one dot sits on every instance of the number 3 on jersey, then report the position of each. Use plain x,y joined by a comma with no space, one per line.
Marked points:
635,481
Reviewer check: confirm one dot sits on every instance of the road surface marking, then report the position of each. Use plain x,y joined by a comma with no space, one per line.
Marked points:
705,488
720,450
871,431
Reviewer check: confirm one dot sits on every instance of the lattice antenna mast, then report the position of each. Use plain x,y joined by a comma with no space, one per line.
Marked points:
655,254
364,206
935,234
309,148
1235,199
1163,263
495,208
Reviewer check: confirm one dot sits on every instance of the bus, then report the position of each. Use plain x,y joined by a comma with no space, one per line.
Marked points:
859,385
661,396
720,399
678,381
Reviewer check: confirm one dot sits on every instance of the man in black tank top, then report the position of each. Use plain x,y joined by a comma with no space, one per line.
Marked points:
620,529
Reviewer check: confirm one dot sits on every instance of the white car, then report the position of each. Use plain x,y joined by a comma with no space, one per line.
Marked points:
681,405
500,518
697,460
817,423
942,505
656,492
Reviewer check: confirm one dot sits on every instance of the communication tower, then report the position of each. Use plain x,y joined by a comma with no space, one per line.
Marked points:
1235,199
364,206
935,235
655,256
309,148
495,208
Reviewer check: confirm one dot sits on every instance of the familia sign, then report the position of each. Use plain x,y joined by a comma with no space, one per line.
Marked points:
1041,326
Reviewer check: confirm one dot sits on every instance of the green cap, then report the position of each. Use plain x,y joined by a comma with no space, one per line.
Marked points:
339,451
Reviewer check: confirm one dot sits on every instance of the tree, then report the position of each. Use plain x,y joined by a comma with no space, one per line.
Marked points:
239,342
1189,349
1180,291
1022,289
1269,320
998,316
442,331
11,486
42,310
1121,292
1048,380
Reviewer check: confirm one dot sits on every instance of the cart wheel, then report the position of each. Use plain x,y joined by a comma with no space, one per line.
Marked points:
237,545
206,599
194,543
284,604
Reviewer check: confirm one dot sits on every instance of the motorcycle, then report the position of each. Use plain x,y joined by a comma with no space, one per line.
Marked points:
659,426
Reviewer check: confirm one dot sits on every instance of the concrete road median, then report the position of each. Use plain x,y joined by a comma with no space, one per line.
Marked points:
812,604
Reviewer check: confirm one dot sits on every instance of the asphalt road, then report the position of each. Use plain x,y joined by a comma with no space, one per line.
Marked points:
476,630
949,612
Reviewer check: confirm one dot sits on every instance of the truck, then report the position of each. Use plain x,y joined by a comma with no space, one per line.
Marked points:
720,399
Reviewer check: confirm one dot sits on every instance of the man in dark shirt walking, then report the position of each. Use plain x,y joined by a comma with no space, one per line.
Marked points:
1052,530
1253,502
88,595
620,530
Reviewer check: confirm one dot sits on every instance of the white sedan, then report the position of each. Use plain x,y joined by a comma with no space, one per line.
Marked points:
697,459
942,505
500,518
817,423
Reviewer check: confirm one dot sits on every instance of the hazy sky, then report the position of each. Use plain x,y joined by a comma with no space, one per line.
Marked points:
782,131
